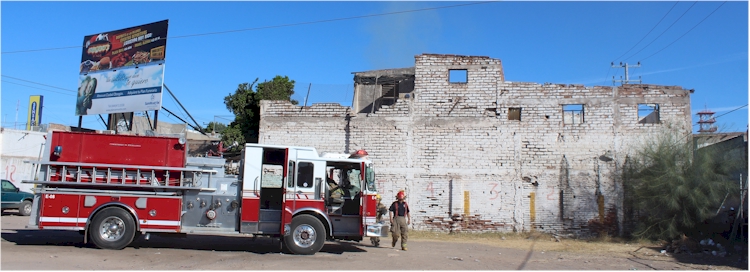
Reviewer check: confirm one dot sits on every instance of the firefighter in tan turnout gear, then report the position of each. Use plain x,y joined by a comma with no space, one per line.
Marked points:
381,211
400,219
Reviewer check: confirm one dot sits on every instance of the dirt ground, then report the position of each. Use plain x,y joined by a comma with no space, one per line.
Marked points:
24,249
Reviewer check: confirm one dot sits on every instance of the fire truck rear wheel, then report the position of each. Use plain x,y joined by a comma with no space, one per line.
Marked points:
112,228
307,235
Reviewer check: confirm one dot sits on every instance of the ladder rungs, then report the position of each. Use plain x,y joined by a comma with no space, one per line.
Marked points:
128,176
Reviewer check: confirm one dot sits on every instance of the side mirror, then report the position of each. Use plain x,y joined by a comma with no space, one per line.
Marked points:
17,190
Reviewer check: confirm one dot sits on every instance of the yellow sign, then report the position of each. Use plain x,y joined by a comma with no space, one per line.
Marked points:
467,202
35,111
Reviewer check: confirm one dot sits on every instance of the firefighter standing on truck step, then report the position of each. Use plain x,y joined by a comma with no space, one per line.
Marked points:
400,219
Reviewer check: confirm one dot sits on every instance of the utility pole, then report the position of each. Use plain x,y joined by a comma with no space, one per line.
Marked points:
627,78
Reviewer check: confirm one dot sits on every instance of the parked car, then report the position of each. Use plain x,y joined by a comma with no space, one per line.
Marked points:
14,198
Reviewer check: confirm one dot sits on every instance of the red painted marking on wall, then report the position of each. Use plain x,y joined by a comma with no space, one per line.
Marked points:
9,173
492,191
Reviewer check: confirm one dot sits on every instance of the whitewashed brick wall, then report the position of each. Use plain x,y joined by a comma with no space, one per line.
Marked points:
19,146
466,167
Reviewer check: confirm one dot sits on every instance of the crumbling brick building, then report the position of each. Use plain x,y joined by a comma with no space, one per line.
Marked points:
475,152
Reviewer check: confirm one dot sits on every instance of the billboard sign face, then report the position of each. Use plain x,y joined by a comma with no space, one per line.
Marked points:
123,90
35,111
125,47
122,70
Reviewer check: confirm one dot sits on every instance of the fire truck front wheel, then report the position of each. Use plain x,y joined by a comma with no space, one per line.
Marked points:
307,235
112,228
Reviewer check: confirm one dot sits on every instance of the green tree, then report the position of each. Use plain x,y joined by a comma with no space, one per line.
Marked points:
245,105
215,126
673,188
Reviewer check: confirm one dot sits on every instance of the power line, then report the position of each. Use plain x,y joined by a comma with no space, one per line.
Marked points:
691,133
726,113
39,83
662,33
731,111
683,35
649,32
636,44
37,88
279,26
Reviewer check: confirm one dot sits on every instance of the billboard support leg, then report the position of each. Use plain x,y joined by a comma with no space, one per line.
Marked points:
156,118
148,118
105,123
197,127
80,121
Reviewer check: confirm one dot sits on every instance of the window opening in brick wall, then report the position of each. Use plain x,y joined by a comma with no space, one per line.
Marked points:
573,114
389,93
458,76
648,113
514,114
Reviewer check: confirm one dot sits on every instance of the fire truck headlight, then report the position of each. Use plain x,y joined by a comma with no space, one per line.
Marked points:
152,212
65,210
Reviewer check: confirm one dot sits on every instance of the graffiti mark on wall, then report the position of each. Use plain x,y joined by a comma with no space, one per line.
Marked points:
494,192
431,189
9,171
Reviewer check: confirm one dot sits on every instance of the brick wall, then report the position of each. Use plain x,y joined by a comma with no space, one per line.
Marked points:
466,167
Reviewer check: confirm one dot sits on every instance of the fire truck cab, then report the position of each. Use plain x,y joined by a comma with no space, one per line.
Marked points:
114,188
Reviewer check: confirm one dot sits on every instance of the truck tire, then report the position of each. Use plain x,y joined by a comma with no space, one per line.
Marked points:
307,235
25,208
112,228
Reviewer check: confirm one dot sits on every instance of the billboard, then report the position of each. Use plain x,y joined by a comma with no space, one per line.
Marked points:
35,111
125,47
122,70
123,90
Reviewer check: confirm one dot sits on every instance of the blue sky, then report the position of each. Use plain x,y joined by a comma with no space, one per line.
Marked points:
557,42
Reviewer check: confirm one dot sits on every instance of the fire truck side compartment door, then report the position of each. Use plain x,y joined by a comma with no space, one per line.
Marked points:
320,177
289,185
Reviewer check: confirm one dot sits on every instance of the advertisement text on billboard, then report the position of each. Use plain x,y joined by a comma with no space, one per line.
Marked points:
122,90
125,47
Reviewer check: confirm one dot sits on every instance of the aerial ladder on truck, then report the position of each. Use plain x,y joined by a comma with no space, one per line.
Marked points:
114,188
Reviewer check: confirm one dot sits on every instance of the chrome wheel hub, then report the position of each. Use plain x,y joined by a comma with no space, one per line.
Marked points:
304,236
112,229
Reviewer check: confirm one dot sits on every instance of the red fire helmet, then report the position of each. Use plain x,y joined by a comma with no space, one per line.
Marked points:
360,153
400,195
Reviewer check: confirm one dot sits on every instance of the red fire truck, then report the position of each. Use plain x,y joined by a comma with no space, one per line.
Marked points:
114,188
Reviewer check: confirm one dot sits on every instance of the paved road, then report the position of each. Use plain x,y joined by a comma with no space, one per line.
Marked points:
64,250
